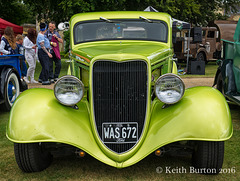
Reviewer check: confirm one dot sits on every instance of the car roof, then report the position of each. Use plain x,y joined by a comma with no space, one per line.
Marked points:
120,15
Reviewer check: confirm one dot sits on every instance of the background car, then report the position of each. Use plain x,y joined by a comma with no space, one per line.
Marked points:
227,76
11,83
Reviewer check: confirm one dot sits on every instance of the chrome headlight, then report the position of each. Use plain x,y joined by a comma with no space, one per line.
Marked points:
69,90
169,88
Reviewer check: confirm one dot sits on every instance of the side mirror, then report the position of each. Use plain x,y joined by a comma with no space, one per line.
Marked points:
63,26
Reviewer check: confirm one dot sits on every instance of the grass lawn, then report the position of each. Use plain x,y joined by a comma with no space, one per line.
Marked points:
63,69
210,70
88,168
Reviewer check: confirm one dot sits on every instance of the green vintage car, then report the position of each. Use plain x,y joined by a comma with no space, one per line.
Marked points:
227,77
121,100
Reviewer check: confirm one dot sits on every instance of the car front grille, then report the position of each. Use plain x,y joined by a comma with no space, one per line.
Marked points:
119,92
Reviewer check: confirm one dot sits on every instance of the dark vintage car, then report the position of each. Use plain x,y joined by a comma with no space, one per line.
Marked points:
202,43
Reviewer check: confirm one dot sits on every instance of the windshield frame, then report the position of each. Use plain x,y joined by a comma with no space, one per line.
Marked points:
119,21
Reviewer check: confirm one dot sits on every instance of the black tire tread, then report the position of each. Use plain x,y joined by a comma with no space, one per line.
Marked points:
209,155
30,158
220,83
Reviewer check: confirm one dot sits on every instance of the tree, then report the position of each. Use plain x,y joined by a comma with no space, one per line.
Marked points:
230,6
44,9
16,12
198,12
58,10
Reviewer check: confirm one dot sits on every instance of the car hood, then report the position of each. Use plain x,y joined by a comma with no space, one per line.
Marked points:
123,50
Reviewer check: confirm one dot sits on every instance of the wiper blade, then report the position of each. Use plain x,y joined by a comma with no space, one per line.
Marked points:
148,20
105,19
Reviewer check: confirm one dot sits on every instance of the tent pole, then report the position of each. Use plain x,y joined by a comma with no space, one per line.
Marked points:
188,49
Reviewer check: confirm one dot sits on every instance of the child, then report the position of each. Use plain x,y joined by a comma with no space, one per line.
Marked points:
19,50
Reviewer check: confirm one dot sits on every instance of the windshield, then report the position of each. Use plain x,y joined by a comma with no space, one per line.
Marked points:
125,30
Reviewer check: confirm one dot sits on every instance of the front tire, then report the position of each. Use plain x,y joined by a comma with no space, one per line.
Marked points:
32,157
208,156
220,83
11,90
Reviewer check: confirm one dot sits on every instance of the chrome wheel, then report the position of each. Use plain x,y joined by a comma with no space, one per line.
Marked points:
11,89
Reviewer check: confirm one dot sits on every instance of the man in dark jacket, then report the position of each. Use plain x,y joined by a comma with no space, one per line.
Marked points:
54,38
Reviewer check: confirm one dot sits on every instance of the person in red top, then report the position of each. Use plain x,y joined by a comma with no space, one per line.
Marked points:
54,38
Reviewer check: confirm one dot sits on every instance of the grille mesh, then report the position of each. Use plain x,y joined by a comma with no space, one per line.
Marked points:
119,96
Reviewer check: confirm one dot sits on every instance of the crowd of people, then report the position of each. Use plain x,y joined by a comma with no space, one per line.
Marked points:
43,46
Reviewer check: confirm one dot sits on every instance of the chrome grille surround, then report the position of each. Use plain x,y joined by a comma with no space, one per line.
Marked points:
120,95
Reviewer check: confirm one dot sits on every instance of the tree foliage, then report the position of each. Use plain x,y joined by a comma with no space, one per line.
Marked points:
197,12
67,41
231,6
16,12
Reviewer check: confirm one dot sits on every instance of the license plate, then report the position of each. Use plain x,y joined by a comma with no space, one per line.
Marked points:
120,132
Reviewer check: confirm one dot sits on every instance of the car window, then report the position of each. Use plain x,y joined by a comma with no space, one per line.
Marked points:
135,30
210,34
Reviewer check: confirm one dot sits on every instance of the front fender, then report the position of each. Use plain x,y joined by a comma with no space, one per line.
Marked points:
202,114
37,116
202,50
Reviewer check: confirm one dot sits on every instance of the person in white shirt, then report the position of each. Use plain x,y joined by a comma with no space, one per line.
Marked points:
29,44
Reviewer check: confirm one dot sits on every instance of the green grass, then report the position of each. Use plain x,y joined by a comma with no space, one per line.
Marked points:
210,70
63,69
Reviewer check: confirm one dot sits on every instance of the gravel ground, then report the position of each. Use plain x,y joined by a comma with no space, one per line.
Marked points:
189,82
193,82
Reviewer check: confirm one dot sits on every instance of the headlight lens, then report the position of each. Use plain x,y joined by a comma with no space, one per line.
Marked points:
169,88
69,90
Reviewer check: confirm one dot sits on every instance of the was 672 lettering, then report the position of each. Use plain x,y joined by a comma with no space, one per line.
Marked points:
120,132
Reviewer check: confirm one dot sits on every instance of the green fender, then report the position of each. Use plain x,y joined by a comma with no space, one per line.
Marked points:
37,116
202,114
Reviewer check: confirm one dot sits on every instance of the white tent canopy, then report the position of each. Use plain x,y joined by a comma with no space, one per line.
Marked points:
151,9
